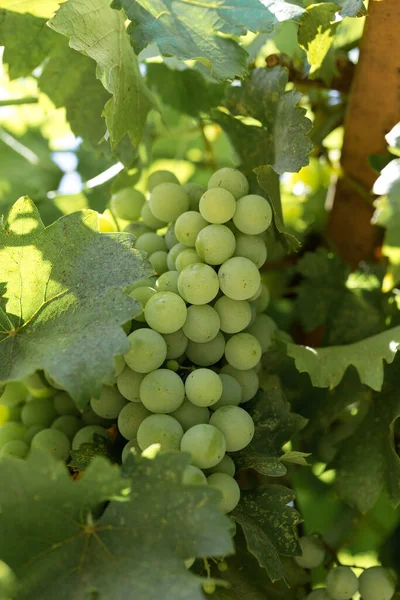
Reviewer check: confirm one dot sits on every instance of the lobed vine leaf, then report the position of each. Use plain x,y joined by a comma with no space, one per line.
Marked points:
279,136
52,539
269,526
316,34
38,8
98,31
367,460
275,424
326,366
64,298
191,30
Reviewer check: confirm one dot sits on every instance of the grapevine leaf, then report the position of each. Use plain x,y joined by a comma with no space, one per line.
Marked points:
64,298
280,139
28,49
326,366
186,90
66,553
38,8
367,460
247,579
275,424
269,182
28,154
269,526
316,34
98,31
81,458
64,76
190,30
352,8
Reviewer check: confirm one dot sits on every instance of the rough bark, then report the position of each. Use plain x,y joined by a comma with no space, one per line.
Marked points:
373,110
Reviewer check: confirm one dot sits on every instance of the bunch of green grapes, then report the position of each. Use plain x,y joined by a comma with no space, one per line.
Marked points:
375,583
195,347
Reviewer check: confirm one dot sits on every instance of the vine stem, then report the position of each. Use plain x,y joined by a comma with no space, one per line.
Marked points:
19,101
208,147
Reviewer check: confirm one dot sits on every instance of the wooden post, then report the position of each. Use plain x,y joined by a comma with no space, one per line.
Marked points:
373,110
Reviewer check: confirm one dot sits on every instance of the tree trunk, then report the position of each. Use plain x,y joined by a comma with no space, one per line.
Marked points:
373,110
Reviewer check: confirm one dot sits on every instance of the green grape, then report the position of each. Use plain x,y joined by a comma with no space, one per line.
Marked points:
53,441
189,562
217,205
160,429
12,431
30,434
149,219
137,229
145,282
130,418
313,552
148,350
16,448
185,258
230,179
168,282
10,413
248,381
319,594
170,237
195,192
127,203
198,284
239,278
263,329
128,384
158,260
168,201
177,343
68,424
165,312
215,244
14,393
208,353
119,364
173,255
189,414
89,417
160,176
150,243
209,587
187,227
235,315
39,411
257,294
229,489
341,583
202,323
193,476
127,449
226,465
376,583
243,351
251,247
85,435
205,444
253,214
109,404
37,386
162,391
203,387
236,424
172,365
231,392
222,566
253,314
106,223
142,295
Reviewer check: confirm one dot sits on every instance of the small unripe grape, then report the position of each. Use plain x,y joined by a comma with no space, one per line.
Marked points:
341,583
313,552
230,179
376,583
160,176
319,594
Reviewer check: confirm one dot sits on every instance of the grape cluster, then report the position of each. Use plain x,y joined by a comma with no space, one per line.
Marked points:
195,347
374,583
